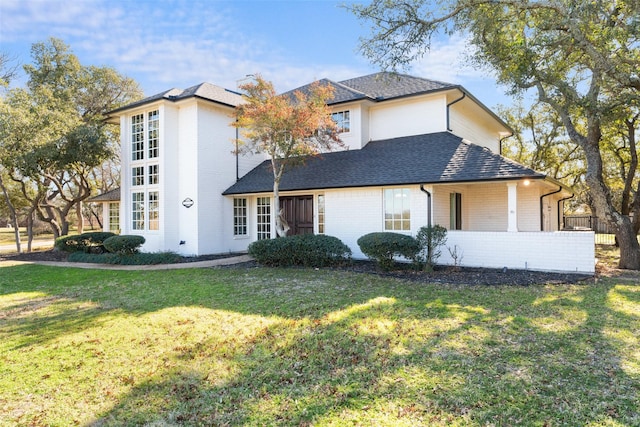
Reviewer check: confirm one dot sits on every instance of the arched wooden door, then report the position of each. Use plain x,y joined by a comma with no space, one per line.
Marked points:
298,212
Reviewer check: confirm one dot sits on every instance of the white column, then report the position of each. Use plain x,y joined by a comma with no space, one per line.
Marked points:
512,205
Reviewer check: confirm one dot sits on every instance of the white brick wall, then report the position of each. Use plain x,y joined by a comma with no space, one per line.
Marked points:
567,251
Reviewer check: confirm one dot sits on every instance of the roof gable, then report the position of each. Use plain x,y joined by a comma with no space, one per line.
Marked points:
420,159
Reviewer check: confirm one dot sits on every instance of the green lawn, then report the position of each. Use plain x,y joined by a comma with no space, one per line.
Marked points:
306,347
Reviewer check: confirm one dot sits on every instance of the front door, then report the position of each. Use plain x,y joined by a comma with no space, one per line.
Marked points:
298,212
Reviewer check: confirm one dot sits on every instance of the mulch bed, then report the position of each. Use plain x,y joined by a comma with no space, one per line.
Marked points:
442,274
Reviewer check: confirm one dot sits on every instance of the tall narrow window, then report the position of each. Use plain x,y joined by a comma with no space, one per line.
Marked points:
114,217
154,210
455,211
137,210
240,217
154,126
342,121
153,175
137,137
397,209
137,175
320,213
264,218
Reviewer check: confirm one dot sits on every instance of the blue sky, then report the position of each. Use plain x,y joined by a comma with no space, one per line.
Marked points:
179,43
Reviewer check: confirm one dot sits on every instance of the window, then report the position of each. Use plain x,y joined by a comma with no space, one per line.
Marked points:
154,210
455,211
397,209
137,210
114,217
264,218
153,175
320,213
154,126
137,137
137,175
342,120
239,217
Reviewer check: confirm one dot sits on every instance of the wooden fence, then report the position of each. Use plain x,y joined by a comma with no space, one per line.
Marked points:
604,234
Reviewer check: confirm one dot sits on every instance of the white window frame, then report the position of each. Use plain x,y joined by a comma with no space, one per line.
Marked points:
153,173
263,218
321,214
137,137
240,217
114,217
153,207
397,209
343,120
137,211
153,134
137,176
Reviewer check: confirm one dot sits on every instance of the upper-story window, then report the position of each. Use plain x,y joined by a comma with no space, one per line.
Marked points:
342,120
141,138
137,137
137,175
154,126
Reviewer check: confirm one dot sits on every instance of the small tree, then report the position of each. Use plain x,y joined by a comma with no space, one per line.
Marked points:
430,239
288,128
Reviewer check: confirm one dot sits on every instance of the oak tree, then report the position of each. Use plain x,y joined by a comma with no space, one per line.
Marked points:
580,58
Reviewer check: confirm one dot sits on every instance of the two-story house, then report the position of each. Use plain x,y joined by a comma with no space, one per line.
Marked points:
419,152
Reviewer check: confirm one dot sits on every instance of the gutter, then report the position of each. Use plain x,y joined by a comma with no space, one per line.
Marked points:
428,204
541,206
562,200
464,95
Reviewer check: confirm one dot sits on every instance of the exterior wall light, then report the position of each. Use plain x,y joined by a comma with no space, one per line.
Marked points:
187,203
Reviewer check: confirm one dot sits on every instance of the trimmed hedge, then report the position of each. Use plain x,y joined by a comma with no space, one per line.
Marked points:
146,258
384,247
124,244
308,250
85,242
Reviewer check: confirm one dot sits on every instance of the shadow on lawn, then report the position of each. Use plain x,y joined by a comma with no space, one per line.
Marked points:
372,363
367,350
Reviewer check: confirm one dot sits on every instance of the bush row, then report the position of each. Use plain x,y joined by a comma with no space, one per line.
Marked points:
85,242
98,242
126,259
309,250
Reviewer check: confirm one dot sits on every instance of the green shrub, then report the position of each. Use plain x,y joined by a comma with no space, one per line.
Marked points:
125,244
309,250
85,242
384,247
430,240
145,258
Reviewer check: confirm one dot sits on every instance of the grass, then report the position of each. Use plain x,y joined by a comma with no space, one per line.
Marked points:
312,347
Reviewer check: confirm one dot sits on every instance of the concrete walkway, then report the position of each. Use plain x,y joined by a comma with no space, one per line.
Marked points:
199,264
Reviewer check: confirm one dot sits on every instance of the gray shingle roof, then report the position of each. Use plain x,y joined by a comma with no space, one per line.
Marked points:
205,90
421,159
109,196
378,87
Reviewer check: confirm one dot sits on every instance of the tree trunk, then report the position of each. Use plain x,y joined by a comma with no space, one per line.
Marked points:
629,247
13,214
29,231
80,217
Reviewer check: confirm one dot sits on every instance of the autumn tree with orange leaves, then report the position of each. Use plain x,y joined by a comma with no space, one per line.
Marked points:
289,128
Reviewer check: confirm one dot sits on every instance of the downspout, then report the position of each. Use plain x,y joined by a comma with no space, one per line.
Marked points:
500,143
464,94
428,204
562,200
541,207
237,154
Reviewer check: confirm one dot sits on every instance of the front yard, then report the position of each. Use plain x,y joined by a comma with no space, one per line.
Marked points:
312,347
